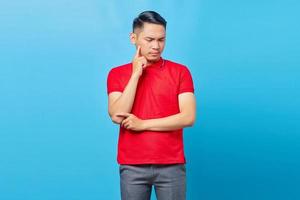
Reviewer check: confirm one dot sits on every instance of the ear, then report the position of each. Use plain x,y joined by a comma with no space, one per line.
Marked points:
133,38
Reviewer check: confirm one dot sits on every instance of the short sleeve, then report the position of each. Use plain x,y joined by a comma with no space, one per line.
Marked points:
113,82
186,81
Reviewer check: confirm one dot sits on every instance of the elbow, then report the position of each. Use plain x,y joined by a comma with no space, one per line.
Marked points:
115,119
190,121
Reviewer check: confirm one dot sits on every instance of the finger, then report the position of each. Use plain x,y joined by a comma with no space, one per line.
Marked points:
138,52
124,122
143,60
126,125
144,65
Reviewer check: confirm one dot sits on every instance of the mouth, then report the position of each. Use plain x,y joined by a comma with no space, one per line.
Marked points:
154,54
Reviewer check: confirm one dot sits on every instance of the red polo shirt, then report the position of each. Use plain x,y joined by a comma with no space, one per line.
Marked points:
156,97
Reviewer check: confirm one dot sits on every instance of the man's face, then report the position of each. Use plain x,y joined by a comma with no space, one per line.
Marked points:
151,38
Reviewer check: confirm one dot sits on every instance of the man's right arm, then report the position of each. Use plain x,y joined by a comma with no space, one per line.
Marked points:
123,101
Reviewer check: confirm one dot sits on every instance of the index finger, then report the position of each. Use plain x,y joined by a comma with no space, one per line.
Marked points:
138,52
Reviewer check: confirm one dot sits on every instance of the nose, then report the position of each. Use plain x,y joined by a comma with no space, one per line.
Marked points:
155,45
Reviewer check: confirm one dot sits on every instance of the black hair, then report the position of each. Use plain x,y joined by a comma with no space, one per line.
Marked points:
149,17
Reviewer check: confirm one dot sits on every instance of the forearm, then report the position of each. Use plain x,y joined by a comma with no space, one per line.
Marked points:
125,102
173,122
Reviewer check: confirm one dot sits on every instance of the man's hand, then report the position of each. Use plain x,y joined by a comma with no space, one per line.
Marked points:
131,122
139,63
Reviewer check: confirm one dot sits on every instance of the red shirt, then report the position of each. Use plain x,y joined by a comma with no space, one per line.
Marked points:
156,97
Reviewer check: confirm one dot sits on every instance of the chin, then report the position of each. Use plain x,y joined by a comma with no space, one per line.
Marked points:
153,59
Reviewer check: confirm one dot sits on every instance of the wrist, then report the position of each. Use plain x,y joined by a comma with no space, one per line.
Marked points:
144,125
135,76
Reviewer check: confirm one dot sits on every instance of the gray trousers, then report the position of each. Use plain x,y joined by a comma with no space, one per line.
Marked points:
169,181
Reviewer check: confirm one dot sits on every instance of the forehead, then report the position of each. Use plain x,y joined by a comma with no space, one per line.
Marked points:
153,30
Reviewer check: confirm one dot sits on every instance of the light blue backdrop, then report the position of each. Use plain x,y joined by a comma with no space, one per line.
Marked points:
57,142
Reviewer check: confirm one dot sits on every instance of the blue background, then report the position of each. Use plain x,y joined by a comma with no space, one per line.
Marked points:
57,141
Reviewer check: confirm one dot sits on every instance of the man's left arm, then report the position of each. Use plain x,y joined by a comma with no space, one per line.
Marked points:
186,117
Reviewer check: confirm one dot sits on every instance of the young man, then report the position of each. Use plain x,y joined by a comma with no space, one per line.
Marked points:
153,100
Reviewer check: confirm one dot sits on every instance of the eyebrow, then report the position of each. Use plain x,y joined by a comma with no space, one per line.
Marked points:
154,38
